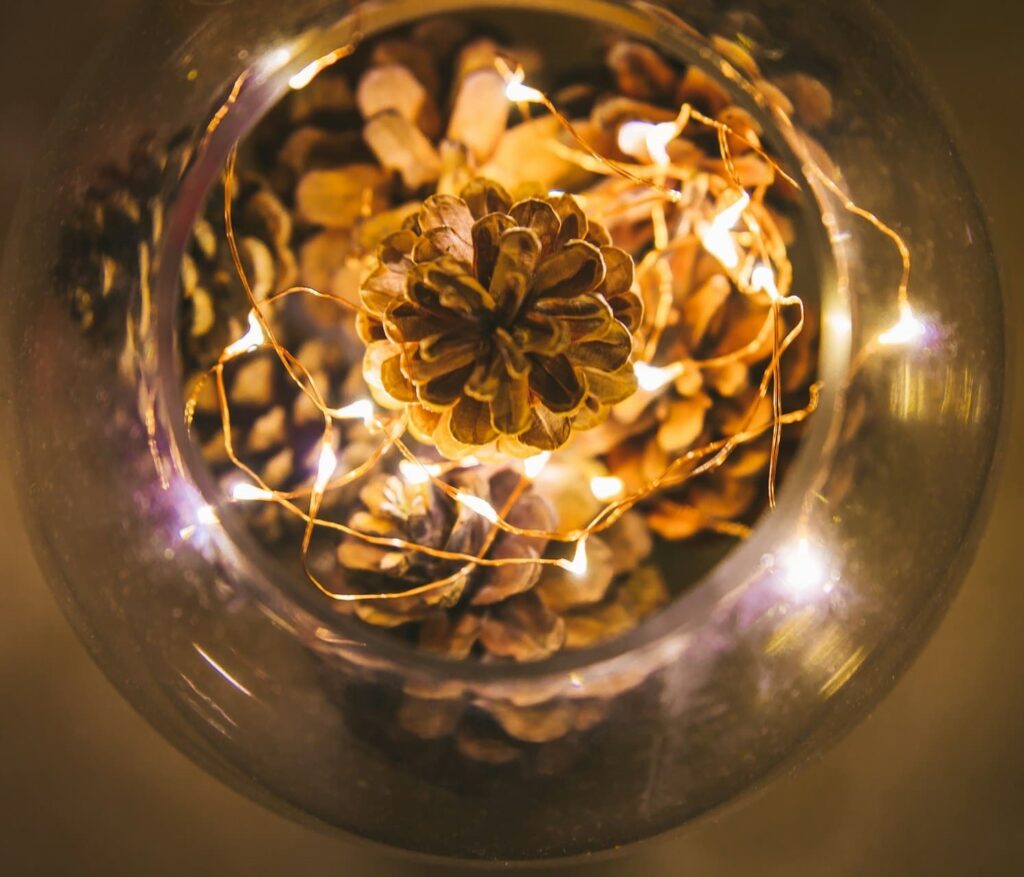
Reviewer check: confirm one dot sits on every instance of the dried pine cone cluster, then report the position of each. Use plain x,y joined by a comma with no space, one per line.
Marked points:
495,321
709,316
498,315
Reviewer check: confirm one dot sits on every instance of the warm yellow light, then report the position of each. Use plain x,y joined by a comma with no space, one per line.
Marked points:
607,487
246,492
478,505
717,236
578,565
535,465
519,93
252,339
305,76
908,330
415,474
206,514
652,378
804,569
278,58
362,410
325,468
643,139
763,280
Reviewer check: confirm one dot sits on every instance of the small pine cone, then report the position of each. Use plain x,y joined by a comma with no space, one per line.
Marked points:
499,322
112,231
390,507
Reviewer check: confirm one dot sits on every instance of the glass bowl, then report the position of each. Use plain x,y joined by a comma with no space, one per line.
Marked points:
775,652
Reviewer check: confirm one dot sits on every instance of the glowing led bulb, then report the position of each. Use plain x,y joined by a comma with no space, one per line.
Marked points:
326,468
252,339
535,465
908,330
246,492
717,236
478,505
607,487
763,280
415,474
519,93
362,410
578,565
638,138
652,378
305,76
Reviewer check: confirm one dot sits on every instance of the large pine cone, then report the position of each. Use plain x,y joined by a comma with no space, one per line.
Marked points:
492,320
709,316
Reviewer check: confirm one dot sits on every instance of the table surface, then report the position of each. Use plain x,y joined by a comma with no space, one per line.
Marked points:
930,784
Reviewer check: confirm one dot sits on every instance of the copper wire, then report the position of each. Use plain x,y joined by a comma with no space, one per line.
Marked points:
763,243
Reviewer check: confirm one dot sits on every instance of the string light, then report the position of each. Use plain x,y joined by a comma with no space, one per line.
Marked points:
763,280
533,466
250,341
416,474
578,565
907,331
326,467
207,515
520,93
717,236
804,569
771,274
361,410
308,73
245,492
607,487
638,138
479,505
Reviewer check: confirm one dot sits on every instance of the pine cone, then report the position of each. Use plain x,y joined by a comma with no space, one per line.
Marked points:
493,321
709,317
516,613
393,508
104,239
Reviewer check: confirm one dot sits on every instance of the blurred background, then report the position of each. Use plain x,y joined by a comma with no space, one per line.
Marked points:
932,783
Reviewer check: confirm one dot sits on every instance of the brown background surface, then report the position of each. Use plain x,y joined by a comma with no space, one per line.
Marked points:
930,784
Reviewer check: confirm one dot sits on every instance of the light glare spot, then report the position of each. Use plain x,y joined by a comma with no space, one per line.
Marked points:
652,378
607,487
907,331
535,465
